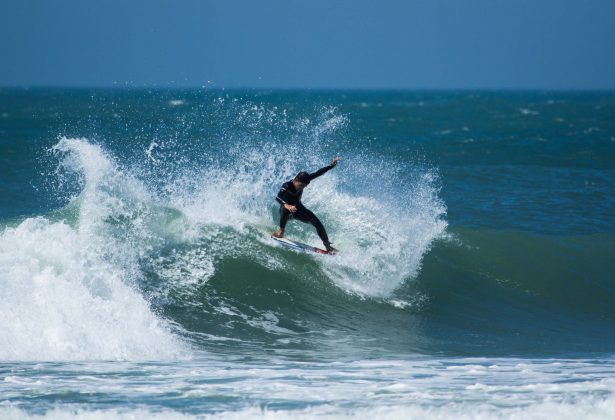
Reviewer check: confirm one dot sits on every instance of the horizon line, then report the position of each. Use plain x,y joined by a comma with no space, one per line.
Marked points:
315,89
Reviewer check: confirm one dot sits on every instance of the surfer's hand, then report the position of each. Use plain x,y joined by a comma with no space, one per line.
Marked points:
337,159
290,208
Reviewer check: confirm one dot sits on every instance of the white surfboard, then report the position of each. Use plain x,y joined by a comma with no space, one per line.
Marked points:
298,246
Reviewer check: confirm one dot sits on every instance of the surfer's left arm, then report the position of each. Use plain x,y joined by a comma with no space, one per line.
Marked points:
321,171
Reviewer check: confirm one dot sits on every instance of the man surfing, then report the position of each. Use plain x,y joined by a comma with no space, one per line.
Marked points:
289,198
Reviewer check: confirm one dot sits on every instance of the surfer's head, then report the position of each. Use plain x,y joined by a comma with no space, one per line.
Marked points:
301,180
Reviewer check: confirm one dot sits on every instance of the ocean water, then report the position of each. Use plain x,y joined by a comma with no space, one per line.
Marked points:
475,277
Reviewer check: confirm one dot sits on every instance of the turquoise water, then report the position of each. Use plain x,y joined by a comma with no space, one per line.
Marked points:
475,277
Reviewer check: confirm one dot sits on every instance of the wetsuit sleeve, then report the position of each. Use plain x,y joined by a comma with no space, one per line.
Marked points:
320,172
283,196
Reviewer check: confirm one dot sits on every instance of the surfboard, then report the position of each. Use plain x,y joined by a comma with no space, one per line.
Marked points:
298,246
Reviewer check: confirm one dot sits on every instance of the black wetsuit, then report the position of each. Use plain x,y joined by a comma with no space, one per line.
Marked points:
288,194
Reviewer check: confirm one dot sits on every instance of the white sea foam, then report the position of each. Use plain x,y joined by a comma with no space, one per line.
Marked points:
481,388
62,301
68,292
595,409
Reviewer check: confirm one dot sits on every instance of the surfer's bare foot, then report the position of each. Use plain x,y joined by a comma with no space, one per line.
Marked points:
278,233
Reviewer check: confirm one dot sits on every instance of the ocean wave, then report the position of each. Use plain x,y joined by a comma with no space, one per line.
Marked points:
184,228
199,262
129,242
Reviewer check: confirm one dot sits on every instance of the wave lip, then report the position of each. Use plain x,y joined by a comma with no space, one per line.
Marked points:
383,242
68,292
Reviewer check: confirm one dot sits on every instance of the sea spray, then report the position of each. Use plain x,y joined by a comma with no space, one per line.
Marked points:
168,231
70,289
384,213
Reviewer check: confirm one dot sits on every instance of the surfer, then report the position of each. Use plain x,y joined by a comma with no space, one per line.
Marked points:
289,198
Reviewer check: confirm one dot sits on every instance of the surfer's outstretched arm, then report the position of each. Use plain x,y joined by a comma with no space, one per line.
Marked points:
321,171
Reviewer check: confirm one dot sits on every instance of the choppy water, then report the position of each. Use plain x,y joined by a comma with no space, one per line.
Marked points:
475,277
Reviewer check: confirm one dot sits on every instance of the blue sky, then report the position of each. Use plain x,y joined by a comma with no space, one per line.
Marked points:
430,44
